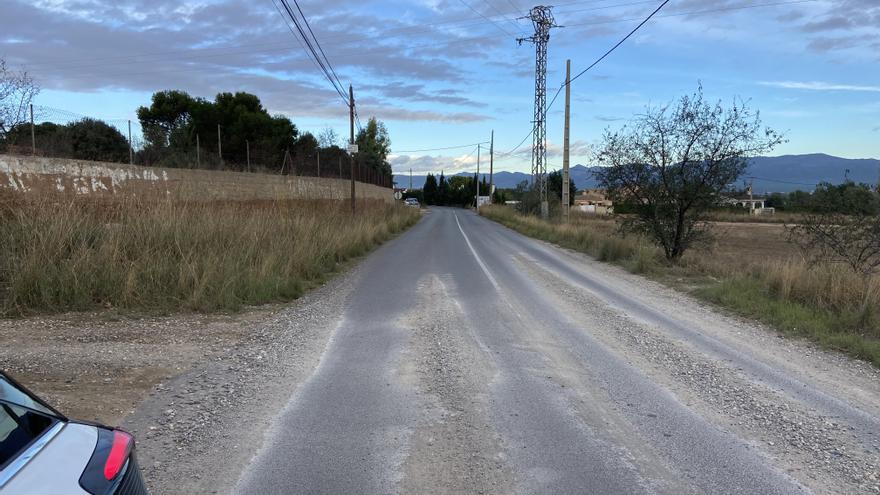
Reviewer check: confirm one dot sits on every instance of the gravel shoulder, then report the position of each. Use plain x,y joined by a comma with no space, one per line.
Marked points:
724,381
856,382
822,452
197,391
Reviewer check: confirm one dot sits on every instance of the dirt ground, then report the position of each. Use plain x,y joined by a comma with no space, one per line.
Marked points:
99,367
195,390
740,241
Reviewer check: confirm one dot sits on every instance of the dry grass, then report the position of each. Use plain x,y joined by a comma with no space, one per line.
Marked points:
72,254
751,269
743,216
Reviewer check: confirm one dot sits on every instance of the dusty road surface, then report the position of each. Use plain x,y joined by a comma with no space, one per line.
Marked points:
466,358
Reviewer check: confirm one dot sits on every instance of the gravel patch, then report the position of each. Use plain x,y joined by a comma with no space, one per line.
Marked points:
454,449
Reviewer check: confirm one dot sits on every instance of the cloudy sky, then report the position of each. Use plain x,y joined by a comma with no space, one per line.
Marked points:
443,73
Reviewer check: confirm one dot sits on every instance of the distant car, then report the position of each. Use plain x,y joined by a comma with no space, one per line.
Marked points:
43,452
411,202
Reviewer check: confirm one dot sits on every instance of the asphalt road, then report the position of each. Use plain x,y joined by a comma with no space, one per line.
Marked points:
471,359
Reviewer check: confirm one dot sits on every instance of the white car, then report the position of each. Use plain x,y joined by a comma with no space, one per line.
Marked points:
43,452
411,202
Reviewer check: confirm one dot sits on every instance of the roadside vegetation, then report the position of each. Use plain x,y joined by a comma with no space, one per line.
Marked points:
668,173
62,254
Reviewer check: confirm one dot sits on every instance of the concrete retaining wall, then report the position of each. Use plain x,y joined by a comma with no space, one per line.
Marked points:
41,175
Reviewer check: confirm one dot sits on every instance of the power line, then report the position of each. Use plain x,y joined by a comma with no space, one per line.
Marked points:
441,149
512,151
512,22
400,30
700,12
319,45
604,7
507,33
322,62
171,70
596,62
503,155
782,181
642,23
244,49
315,62
579,74
463,158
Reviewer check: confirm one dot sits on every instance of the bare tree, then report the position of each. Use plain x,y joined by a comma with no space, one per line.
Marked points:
833,237
327,138
672,164
17,91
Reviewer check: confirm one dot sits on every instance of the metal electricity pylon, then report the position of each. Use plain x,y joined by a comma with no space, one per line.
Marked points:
542,19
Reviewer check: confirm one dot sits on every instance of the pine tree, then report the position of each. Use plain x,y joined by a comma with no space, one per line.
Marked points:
430,190
442,191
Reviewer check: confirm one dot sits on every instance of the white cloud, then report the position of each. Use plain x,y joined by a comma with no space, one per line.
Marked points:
434,163
820,86
144,46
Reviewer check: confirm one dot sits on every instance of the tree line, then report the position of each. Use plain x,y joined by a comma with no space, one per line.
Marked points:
847,198
180,130
460,190
85,139
175,123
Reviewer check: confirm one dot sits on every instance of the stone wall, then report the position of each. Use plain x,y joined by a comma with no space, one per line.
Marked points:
41,175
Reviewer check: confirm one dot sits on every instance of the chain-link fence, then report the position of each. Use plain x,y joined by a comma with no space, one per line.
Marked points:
54,132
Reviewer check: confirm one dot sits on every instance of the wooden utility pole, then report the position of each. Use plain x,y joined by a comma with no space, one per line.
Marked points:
198,153
340,166
247,150
130,146
33,133
219,145
351,141
565,174
751,199
319,163
491,160
477,203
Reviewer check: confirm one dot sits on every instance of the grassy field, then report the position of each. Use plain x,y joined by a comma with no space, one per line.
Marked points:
750,269
73,254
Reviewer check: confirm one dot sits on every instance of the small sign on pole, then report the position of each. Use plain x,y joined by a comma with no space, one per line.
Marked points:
352,148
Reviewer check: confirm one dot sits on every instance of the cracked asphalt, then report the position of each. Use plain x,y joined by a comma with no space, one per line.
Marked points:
467,358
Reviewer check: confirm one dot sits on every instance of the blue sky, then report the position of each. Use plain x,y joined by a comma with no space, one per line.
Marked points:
444,73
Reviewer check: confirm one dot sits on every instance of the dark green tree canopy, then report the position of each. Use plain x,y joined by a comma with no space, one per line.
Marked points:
374,145
167,119
86,139
554,185
174,119
430,190
96,140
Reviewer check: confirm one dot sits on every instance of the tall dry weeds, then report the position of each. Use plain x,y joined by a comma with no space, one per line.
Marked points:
61,254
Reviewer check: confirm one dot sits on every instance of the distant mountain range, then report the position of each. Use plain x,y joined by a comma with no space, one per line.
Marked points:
769,174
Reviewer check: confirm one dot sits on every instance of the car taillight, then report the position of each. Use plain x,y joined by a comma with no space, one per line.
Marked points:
119,452
108,463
